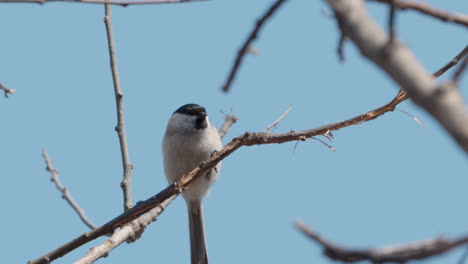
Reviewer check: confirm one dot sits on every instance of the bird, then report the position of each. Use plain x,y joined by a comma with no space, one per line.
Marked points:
189,140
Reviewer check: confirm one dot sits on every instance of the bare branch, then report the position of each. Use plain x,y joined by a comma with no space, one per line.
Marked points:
340,48
7,90
229,120
396,253
110,2
127,232
424,8
460,70
278,120
391,21
247,139
253,35
441,100
126,183
65,193
452,63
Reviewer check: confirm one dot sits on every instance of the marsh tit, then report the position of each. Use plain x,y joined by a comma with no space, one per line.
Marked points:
189,140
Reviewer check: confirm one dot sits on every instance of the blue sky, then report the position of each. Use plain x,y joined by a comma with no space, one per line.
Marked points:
389,181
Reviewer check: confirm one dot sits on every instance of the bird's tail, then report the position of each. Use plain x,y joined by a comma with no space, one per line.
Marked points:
197,234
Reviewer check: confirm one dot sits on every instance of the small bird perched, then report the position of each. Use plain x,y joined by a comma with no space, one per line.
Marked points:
189,140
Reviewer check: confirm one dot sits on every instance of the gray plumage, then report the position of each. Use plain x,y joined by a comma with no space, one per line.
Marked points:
189,140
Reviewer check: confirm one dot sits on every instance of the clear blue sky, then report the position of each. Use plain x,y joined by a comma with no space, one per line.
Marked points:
389,181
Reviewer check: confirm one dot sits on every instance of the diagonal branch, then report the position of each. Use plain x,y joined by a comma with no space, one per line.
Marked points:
458,73
278,120
424,8
452,63
245,47
126,183
229,120
65,193
247,139
110,2
442,101
132,229
396,253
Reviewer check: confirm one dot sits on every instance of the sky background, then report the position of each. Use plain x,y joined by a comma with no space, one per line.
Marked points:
389,181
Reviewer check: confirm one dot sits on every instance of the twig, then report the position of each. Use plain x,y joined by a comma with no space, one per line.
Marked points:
229,120
397,253
440,100
452,63
126,183
325,143
424,8
463,258
252,36
412,116
278,120
6,90
340,48
391,21
127,232
247,139
110,2
65,193
458,73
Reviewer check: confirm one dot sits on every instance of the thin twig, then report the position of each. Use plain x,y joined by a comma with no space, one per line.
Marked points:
130,231
391,21
424,8
340,48
396,254
325,143
110,2
126,183
252,36
458,73
6,90
65,193
278,120
452,63
412,116
247,139
463,258
229,120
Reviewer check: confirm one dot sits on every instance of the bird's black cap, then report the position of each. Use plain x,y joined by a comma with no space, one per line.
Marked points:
191,109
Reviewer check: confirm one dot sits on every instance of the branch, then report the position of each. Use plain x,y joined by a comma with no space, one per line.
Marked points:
133,230
7,90
442,101
120,128
247,139
395,253
391,21
460,70
130,231
229,120
278,120
452,63
424,8
110,2
253,35
65,193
